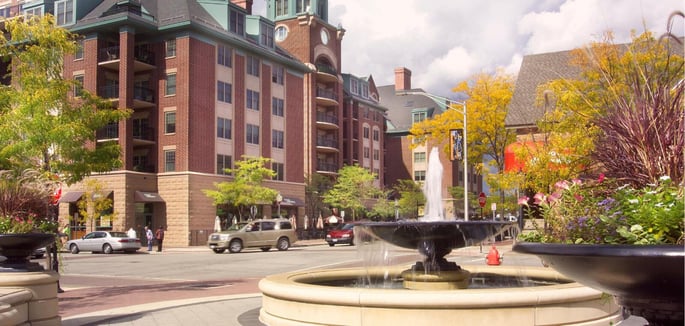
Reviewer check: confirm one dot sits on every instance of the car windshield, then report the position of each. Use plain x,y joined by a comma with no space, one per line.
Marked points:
236,227
347,227
118,235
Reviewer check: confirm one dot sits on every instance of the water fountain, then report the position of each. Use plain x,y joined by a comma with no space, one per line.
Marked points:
434,290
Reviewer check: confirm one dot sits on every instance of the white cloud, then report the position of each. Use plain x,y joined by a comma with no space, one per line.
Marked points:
444,42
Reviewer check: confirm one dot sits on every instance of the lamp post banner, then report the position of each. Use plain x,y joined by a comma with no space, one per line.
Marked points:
456,144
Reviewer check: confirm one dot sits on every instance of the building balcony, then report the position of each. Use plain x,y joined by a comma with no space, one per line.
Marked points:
325,96
326,73
328,145
142,97
109,58
326,167
143,136
326,121
108,133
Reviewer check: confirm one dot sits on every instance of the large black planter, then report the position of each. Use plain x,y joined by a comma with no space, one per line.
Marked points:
647,280
434,240
18,247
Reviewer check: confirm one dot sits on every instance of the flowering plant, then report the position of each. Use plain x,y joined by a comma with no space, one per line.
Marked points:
29,224
598,211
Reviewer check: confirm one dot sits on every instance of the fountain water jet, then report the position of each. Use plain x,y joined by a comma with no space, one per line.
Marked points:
315,298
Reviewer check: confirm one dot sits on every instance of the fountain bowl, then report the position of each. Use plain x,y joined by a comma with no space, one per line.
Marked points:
299,298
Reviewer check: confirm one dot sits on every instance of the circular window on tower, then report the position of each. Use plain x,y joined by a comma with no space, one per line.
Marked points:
324,36
281,33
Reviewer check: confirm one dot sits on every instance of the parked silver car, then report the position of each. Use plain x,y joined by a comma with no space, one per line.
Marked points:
104,241
262,234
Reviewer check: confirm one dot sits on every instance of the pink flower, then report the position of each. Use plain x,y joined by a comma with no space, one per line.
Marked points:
523,200
578,197
563,184
601,178
577,181
554,197
539,198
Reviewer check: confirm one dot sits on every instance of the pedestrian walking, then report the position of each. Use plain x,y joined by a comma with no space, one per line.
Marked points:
132,233
159,236
150,238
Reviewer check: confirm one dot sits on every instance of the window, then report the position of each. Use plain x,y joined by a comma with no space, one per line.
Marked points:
277,106
277,138
224,128
376,155
281,33
366,152
278,168
64,12
252,134
419,157
170,84
266,36
79,50
170,122
252,101
78,86
170,161
354,86
224,56
277,75
281,7
237,22
252,66
376,135
366,132
170,46
223,162
302,6
420,175
37,11
365,91
419,116
224,92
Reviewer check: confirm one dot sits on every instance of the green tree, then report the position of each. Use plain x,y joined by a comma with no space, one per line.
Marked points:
353,188
411,197
42,126
246,188
383,209
94,205
316,185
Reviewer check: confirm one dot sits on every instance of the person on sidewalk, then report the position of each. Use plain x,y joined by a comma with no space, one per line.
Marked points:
150,238
132,233
159,236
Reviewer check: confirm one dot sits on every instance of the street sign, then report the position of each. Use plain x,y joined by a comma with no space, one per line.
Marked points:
482,199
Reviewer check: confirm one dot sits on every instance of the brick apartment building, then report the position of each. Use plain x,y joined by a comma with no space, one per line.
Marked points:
209,83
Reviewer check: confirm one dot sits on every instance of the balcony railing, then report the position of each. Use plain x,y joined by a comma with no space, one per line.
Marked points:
143,94
326,69
144,133
109,92
110,131
327,142
326,117
140,53
326,166
326,93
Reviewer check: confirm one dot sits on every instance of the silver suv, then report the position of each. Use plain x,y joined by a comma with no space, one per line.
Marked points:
262,234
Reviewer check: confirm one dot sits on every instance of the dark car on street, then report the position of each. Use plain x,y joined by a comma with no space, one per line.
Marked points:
341,234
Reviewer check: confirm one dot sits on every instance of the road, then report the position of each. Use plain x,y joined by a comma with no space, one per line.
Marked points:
97,281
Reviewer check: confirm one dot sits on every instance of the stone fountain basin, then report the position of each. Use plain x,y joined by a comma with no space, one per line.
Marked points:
295,299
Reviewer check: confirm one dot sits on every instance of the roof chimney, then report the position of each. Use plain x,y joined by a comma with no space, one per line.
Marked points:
402,79
246,4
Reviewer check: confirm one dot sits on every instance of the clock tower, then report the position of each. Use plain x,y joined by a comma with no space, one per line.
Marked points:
302,29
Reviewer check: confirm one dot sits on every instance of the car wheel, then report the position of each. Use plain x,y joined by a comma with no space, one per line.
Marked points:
265,249
106,248
331,244
74,249
235,246
352,242
283,244
219,250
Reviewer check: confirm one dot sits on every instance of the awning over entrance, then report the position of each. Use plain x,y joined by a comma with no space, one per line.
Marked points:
71,197
292,202
147,197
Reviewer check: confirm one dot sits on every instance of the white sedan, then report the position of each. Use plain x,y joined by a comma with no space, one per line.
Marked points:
104,241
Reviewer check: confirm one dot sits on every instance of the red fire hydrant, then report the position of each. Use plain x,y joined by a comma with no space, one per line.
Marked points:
493,257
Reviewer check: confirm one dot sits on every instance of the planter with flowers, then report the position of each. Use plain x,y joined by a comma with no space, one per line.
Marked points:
19,237
623,234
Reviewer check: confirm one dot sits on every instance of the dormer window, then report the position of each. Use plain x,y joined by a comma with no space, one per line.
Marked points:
266,37
64,12
237,23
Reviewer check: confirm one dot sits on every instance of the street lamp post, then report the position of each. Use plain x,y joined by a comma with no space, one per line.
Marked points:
449,103
279,199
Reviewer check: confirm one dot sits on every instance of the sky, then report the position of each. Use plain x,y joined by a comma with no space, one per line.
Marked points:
444,42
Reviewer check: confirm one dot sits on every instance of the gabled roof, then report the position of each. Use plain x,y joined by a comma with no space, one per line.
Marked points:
536,69
401,108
